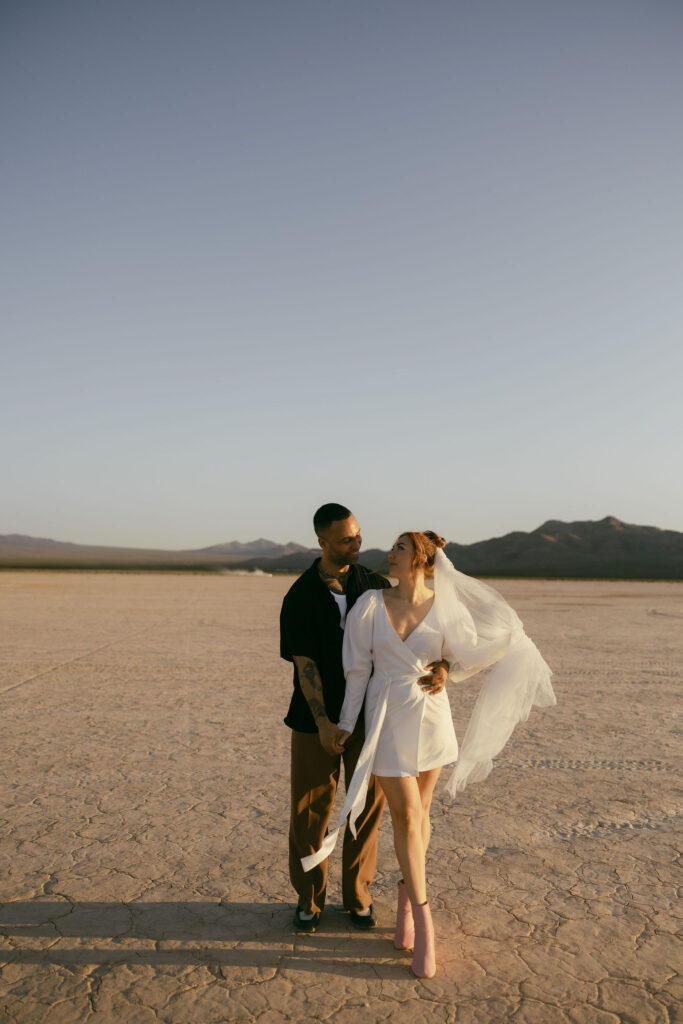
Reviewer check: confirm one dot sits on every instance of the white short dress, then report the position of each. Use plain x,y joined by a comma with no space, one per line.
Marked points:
416,731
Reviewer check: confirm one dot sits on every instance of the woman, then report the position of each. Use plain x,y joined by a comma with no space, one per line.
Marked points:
391,638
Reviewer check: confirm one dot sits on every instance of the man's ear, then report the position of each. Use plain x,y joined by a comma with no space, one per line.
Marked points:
321,542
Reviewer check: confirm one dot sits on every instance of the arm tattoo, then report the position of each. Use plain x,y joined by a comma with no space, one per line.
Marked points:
311,686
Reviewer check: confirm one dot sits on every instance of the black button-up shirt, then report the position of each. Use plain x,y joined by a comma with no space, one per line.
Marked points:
310,627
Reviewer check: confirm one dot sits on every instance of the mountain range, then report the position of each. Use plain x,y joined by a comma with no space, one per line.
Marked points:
253,548
607,548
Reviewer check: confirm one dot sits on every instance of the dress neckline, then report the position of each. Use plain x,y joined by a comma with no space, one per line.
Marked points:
415,627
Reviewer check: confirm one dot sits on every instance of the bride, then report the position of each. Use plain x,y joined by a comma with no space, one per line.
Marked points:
392,639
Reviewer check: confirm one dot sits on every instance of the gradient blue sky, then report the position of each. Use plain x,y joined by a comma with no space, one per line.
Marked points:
421,258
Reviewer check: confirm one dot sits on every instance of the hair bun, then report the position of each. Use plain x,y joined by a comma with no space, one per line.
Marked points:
435,538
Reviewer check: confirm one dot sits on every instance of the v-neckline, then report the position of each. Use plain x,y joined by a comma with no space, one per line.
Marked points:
416,626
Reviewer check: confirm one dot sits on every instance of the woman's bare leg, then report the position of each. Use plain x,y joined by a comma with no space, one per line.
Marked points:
426,781
405,805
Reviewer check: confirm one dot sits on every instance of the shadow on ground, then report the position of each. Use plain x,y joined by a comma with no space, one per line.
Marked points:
247,935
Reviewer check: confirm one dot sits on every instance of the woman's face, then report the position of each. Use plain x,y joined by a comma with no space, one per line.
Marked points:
401,557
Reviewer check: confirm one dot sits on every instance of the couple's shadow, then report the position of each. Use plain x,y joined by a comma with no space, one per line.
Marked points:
253,936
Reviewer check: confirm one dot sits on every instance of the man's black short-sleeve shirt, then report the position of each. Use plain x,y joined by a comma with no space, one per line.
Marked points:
310,627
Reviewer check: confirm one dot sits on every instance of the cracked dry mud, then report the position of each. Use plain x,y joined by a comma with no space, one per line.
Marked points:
143,859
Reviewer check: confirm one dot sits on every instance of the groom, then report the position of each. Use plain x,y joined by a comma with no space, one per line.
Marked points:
311,633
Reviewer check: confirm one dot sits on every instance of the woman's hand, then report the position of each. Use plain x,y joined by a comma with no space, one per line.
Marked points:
435,683
339,739
331,736
342,738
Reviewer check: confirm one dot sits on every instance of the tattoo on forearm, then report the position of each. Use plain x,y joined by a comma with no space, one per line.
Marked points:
311,687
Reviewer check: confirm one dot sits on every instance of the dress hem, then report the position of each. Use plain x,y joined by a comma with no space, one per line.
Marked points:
411,775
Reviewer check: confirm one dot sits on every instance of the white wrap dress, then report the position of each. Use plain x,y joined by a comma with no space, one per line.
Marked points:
417,731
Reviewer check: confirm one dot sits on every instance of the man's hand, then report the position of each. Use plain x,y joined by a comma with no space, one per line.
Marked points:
436,682
331,736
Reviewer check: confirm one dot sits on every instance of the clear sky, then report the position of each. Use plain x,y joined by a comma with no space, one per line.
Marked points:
420,258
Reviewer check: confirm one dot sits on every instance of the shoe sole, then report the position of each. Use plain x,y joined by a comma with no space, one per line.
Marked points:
304,927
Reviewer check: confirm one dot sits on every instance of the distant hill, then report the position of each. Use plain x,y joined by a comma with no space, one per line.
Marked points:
607,548
18,551
20,540
254,548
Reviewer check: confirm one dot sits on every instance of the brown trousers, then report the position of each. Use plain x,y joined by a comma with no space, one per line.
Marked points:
315,775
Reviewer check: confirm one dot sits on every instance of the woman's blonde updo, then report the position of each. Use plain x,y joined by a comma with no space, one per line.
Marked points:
425,543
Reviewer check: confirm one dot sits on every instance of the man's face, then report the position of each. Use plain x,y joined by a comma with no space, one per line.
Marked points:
341,542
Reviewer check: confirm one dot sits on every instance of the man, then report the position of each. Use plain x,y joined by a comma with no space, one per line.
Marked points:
311,633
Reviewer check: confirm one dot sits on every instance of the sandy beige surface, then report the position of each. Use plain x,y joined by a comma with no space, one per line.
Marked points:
143,860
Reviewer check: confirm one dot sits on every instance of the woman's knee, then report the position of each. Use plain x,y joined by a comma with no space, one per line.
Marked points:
426,805
407,818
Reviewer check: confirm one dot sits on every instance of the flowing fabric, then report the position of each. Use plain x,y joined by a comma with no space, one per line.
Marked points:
492,636
481,631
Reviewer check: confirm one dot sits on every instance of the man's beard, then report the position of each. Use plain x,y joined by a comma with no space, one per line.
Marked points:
342,561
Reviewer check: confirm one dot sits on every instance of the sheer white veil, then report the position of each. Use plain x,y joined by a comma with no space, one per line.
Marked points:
488,634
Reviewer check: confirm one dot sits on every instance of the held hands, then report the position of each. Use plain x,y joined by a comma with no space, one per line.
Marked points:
435,683
342,737
332,737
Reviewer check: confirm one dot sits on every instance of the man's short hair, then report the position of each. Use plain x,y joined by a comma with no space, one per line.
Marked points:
328,514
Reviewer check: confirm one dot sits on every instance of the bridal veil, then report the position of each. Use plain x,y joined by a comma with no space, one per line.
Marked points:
488,635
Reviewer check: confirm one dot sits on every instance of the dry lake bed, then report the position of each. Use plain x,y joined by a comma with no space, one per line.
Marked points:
143,858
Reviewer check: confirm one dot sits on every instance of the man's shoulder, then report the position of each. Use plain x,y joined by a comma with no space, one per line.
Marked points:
303,584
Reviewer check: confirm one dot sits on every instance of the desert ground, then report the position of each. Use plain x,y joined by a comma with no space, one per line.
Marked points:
143,865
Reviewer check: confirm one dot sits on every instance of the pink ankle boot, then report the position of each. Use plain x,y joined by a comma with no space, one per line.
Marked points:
405,929
424,956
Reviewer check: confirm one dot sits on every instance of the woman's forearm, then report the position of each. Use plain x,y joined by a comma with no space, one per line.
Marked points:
356,685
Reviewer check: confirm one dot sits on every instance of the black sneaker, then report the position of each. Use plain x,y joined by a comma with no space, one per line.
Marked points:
302,925
363,921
